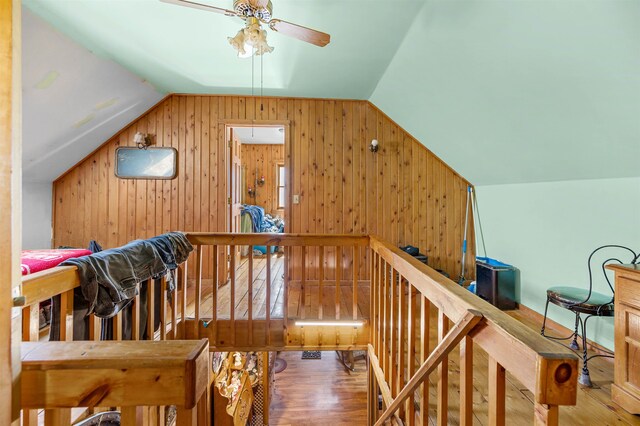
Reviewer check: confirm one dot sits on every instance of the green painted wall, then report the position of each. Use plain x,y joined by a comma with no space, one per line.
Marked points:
547,230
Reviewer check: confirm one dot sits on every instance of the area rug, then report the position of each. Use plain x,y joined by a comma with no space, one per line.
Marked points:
311,354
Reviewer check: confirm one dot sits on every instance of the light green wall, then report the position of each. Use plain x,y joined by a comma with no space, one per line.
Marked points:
539,90
547,231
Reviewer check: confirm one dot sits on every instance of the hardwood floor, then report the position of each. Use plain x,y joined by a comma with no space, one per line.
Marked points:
312,392
319,392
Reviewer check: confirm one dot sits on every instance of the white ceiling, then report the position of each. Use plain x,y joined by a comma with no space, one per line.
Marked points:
260,135
73,100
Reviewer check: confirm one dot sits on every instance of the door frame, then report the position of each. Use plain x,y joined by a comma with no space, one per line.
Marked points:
224,196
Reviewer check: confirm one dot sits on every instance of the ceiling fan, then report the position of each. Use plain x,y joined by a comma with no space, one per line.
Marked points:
252,38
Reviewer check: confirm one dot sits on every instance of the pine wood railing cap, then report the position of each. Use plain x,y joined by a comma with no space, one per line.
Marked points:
295,240
45,284
108,373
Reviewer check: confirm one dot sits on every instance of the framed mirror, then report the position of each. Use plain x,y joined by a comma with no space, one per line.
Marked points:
150,163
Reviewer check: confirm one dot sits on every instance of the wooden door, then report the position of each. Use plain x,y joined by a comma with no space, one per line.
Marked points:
235,187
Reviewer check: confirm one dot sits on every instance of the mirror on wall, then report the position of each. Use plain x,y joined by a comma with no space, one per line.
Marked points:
149,163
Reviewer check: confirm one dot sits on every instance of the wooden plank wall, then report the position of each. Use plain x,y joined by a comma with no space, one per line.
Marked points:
402,193
264,159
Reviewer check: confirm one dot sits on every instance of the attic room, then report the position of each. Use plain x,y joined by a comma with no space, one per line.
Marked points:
261,212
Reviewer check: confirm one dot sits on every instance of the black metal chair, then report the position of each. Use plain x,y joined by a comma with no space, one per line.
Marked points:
587,302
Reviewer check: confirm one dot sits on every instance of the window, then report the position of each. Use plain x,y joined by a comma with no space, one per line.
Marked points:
280,187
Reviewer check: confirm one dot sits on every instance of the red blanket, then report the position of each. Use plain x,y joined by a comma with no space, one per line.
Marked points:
38,260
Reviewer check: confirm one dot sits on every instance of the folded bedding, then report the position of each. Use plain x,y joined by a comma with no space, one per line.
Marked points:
32,261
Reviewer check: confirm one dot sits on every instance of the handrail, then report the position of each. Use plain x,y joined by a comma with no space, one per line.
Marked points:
549,371
43,285
268,239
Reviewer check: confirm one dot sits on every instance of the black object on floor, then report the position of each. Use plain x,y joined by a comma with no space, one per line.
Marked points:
311,354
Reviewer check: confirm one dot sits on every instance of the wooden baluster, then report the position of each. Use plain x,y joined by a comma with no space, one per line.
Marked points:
150,310
57,416
66,316
545,415
285,301
30,333
338,279
443,374
384,348
131,416
214,297
381,307
356,266
232,292
268,301
117,326
95,327
402,336
320,282
135,318
183,301
466,381
372,396
393,322
198,284
496,393
160,414
303,282
425,318
187,416
174,309
250,295
411,350
373,285
163,309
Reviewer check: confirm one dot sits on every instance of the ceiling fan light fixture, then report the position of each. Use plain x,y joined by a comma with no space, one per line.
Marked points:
250,40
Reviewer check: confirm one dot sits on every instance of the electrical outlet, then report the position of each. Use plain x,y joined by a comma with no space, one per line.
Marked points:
296,199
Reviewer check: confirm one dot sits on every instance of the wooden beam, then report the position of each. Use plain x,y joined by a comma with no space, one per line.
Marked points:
453,337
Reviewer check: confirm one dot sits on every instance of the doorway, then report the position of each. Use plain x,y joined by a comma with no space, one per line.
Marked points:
257,176
257,196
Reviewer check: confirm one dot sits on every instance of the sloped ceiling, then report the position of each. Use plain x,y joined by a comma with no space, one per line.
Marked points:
73,100
504,91
522,91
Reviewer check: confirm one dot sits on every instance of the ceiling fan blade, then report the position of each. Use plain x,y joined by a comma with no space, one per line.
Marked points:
200,6
301,33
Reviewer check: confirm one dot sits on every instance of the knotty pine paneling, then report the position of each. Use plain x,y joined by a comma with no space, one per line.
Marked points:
402,193
263,159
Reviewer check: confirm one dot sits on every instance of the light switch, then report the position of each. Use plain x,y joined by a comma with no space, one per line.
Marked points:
296,199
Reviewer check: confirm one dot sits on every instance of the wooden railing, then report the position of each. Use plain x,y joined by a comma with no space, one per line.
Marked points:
140,378
406,315
405,294
63,281
300,278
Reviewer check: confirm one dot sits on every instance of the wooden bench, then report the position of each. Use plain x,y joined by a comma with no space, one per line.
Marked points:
58,376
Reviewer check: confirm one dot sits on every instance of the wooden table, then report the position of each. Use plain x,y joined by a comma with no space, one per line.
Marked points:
625,390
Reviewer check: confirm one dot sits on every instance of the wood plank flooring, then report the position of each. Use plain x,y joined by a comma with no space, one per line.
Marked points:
319,392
